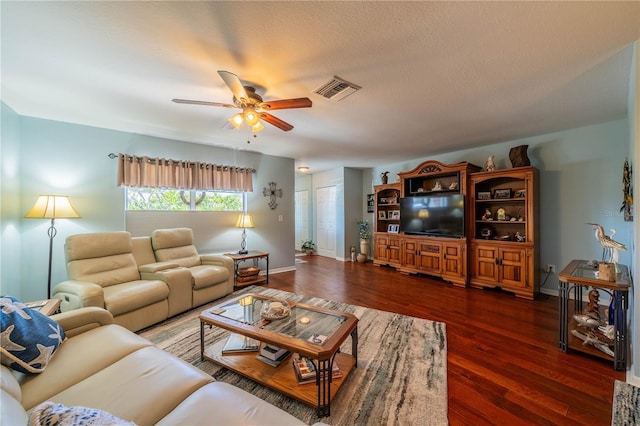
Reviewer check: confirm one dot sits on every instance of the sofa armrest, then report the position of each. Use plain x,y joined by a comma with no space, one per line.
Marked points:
158,266
81,320
180,285
218,260
78,294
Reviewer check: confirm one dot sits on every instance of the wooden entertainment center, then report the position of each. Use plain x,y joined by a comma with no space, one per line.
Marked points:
486,225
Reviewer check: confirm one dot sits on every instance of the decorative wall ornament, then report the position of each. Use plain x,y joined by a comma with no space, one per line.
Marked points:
272,192
627,191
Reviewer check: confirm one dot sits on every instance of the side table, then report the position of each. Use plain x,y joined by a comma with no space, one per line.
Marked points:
46,307
578,275
251,255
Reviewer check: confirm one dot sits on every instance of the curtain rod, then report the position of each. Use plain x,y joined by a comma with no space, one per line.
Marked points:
113,156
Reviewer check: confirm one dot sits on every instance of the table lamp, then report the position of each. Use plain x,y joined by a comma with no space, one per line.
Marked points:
244,221
52,207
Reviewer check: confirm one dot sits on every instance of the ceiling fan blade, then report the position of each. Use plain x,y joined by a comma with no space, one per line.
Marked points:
275,121
235,85
286,104
188,101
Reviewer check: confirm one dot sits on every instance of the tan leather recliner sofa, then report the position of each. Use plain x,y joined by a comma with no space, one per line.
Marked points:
102,272
104,366
121,274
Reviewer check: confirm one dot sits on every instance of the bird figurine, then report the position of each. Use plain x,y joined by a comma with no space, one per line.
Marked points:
610,247
490,166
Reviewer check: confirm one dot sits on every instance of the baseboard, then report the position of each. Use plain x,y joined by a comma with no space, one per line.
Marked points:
279,270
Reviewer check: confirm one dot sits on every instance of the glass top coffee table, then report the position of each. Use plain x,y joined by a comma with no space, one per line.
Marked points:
311,331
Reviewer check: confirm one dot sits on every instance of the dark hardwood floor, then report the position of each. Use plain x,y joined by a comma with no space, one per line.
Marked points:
504,365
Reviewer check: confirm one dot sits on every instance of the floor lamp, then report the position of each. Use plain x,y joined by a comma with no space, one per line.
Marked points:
244,221
52,207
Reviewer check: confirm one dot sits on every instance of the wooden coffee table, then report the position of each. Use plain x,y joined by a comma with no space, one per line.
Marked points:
295,333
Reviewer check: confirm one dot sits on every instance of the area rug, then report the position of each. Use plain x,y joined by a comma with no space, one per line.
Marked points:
401,377
626,404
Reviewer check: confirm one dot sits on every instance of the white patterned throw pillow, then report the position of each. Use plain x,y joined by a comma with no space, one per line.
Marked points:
49,413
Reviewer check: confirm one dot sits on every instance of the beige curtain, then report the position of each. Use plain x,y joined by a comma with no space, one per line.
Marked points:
163,173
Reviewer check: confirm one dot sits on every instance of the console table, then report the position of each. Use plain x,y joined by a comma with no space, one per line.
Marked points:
580,274
251,255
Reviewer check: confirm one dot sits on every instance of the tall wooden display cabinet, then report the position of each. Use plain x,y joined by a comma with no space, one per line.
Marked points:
504,230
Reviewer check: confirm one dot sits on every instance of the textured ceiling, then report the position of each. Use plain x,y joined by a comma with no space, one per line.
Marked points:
436,76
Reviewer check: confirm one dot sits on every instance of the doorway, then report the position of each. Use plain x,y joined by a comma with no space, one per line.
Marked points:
326,221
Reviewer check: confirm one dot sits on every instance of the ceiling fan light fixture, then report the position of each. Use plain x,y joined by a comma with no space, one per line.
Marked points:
257,127
236,120
251,117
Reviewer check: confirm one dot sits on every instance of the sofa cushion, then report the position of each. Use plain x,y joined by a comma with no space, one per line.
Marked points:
49,413
12,411
99,244
80,357
104,271
158,380
175,245
208,275
130,296
231,405
9,383
29,338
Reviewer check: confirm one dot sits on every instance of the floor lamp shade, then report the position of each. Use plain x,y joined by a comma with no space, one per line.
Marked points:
52,207
244,221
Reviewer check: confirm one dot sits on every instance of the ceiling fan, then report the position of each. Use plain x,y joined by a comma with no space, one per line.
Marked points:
253,107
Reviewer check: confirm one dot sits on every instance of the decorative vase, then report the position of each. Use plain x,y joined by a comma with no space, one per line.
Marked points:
364,247
362,258
518,156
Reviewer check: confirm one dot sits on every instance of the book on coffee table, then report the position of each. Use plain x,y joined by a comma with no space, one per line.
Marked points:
305,369
272,352
276,362
237,343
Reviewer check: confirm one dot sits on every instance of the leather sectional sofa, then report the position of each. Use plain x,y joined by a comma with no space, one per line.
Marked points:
144,280
104,366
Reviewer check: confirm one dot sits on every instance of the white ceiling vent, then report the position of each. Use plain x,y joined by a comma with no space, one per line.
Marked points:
337,89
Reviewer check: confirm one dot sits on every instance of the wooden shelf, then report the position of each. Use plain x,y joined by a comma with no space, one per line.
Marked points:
502,200
281,378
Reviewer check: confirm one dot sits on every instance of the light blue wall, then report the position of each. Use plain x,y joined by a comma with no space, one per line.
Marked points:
634,141
63,158
580,181
10,213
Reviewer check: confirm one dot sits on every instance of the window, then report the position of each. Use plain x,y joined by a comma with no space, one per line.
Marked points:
178,200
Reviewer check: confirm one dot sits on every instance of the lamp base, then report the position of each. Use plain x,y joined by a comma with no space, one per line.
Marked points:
243,251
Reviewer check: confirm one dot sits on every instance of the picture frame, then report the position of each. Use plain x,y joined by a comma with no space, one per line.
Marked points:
501,194
394,214
382,215
484,195
371,203
393,229
520,193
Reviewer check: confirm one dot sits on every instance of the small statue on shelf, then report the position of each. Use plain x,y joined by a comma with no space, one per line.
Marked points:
487,214
454,185
437,186
490,166
384,177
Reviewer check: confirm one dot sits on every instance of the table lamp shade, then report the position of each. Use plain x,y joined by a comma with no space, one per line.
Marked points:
52,207
244,221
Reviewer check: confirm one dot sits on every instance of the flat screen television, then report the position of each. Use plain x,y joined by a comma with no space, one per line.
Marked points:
440,215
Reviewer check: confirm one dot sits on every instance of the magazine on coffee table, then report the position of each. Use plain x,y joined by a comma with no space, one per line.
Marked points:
237,343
